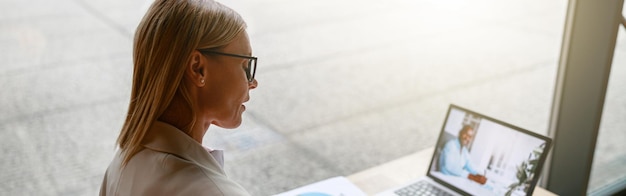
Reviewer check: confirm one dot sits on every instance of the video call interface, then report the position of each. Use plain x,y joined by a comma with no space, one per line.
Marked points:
505,157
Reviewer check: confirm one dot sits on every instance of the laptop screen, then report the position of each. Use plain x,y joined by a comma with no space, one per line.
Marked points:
479,155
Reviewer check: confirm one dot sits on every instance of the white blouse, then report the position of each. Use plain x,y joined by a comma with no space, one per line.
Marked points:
171,163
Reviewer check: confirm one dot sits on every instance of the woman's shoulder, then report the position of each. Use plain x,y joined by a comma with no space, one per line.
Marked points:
172,165
191,178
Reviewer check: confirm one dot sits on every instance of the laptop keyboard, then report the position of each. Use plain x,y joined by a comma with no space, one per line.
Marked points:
421,188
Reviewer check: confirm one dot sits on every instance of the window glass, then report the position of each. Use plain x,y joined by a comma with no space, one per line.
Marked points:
348,85
610,157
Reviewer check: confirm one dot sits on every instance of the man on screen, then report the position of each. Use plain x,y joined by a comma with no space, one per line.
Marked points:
454,159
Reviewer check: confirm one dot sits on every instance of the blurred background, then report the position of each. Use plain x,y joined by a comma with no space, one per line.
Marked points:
343,86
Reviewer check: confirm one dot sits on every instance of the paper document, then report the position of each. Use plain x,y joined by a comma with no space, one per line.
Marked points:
337,186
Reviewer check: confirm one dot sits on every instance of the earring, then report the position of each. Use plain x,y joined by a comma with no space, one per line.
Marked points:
202,81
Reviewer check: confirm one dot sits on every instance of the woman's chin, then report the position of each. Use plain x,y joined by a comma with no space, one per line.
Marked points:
232,124
234,121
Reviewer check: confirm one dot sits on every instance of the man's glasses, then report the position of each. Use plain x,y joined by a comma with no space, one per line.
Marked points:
250,70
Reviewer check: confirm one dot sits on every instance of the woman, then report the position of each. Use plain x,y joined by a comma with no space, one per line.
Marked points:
191,69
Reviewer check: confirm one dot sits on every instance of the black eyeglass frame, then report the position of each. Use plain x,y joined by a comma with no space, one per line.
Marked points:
250,71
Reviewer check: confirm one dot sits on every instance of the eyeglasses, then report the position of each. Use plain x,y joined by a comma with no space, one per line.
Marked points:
250,70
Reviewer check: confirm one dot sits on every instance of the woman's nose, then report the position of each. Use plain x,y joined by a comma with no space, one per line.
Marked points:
253,84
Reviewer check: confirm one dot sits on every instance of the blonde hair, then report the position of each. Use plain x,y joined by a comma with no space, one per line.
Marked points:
167,35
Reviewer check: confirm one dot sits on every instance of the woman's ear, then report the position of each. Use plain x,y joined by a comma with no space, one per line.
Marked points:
196,68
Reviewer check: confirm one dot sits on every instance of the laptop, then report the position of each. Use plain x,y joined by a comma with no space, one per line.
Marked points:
501,159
